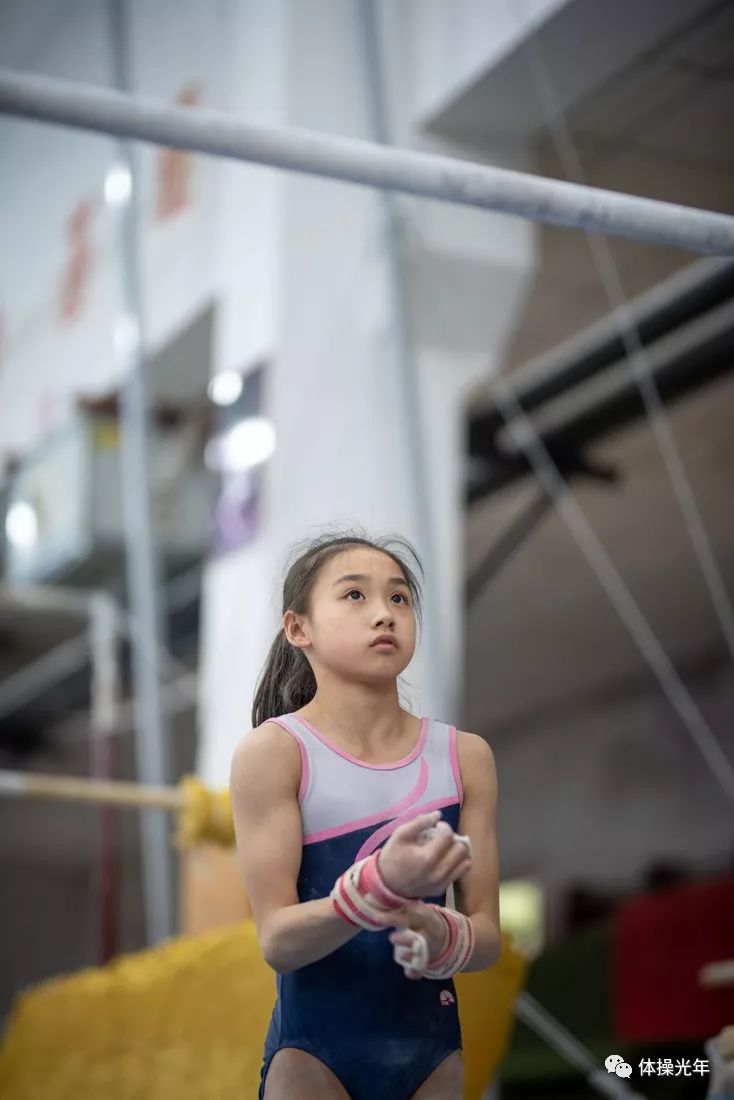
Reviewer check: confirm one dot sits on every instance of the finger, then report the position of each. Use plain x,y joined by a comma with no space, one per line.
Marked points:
401,938
466,841
415,954
453,866
442,841
455,876
412,829
459,850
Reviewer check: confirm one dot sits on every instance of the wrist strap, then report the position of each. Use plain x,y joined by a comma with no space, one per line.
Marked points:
454,956
363,899
458,950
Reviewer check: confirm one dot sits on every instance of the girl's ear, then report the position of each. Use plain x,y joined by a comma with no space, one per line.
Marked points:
293,628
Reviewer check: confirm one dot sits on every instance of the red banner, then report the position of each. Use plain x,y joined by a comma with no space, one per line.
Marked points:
174,168
78,266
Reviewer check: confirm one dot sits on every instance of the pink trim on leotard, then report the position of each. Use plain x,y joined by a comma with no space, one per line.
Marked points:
455,763
362,763
304,757
387,830
390,811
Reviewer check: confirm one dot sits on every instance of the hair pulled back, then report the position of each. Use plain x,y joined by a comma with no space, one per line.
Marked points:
287,681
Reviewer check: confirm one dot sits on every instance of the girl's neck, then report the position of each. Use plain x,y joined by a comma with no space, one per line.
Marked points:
370,721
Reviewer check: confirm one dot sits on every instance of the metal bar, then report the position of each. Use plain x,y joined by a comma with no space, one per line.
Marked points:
105,693
698,288
71,788
681,360
177,696
143,579
556,202
39,597
686,359
23,686
72,655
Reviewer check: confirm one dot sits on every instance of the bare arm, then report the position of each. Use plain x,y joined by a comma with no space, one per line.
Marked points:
264,781
477,892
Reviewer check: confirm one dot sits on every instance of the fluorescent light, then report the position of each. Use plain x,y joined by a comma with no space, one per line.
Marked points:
225,387
118,185
247,444
21,525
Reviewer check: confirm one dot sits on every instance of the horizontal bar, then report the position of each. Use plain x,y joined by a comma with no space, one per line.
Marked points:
445,178
79,789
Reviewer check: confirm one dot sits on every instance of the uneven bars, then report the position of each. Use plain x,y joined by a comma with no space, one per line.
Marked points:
74,788
447,179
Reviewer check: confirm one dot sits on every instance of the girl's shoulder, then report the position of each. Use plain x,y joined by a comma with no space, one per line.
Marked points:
267,742
473,750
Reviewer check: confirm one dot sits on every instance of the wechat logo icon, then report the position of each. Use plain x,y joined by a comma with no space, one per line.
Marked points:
615,1063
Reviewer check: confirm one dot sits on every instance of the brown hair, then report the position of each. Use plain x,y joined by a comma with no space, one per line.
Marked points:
287,681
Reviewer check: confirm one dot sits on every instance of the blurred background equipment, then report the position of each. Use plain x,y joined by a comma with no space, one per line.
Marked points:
63,516
203,359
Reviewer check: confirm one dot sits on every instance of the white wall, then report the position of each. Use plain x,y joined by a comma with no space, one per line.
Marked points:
641,793
47,171
238,612
332,395
455,42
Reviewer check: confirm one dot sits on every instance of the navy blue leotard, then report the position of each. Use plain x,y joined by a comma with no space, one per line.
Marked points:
379,1032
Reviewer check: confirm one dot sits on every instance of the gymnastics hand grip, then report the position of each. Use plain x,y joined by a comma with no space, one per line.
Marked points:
454,957
363,899
413,956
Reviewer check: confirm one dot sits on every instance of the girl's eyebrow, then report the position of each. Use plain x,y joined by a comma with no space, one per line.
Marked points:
364,577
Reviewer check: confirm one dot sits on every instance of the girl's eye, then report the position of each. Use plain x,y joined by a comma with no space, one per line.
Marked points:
356,591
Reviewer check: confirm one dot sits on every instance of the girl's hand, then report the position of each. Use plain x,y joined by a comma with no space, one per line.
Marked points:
417,917
419,866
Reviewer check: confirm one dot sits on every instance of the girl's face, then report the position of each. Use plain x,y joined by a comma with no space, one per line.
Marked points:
359,595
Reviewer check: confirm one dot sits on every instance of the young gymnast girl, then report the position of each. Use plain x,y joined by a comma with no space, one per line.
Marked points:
352,819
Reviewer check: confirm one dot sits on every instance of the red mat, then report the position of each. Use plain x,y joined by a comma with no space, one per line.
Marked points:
660,943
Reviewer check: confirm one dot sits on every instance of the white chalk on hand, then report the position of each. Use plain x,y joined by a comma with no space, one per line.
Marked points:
428,834
418,957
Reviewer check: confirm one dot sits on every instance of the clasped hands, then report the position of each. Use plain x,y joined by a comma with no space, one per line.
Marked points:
413,922
421,933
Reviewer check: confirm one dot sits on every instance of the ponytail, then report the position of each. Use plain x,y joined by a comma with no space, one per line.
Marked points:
287,682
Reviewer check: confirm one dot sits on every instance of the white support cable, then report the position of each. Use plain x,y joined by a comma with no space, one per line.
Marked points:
539,1020
635,352
525,435
448,179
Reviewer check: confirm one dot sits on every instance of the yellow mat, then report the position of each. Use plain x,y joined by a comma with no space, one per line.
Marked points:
187,1021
